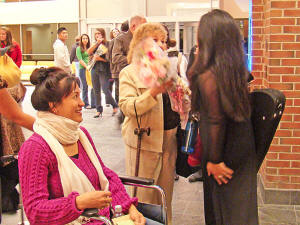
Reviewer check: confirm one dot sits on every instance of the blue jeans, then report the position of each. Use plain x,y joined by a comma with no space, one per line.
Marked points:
84,89
117,89
77,69
100,79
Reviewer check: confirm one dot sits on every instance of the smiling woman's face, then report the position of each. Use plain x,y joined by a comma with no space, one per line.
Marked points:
70,106
85,39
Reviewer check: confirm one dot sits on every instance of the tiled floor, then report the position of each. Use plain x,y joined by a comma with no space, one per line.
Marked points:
188,197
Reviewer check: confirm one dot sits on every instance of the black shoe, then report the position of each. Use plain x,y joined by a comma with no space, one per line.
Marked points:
176,177
115,111
195,179
99,114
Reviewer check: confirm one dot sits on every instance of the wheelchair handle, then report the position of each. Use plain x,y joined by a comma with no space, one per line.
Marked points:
90,213
93,214
136,180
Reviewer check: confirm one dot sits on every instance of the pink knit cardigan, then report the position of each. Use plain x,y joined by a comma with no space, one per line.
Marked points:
43,197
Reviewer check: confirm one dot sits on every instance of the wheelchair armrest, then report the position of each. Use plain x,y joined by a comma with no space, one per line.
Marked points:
137,180
90,213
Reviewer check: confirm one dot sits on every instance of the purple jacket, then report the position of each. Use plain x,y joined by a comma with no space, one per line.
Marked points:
43,197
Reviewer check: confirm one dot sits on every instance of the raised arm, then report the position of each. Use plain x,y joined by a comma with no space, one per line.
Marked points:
12,111
93,48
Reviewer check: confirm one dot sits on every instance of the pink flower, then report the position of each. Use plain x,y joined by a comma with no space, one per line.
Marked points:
152,64
150,55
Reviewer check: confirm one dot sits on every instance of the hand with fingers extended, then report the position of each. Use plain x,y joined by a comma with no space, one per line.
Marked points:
222,174
136,216
94,199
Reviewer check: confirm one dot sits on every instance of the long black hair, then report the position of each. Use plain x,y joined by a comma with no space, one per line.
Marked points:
221,52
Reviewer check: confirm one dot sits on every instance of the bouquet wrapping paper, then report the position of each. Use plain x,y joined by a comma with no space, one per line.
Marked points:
154,69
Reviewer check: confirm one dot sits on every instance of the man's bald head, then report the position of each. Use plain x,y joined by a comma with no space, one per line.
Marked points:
135,21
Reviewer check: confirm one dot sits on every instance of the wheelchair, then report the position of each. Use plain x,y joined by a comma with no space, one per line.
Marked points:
93,213
137,182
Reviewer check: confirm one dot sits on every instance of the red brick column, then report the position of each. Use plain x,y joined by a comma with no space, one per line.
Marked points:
276,64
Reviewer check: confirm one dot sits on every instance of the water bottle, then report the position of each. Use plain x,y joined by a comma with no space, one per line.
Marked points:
118,211
190,135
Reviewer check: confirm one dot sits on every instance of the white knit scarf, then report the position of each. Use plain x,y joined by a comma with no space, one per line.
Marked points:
58,130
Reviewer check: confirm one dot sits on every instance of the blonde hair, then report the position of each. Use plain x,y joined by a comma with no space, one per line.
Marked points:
143,31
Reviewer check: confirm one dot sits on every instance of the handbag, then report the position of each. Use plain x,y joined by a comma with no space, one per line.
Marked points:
9,71
88,78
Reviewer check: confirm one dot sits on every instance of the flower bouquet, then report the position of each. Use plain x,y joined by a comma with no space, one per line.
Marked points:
101,50
154,69
152,63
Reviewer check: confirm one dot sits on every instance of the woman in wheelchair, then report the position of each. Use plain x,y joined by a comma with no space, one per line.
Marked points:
61,173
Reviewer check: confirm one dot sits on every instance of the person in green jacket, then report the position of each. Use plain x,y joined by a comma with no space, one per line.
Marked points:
83,58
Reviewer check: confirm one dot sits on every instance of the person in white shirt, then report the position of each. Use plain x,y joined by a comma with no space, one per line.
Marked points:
178,60
61,52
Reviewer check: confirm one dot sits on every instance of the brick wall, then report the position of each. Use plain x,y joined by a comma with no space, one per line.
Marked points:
276,64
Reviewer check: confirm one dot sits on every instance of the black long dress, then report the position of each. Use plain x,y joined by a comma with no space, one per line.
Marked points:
225,140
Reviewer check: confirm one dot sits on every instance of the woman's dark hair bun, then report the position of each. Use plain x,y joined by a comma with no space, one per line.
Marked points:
39,75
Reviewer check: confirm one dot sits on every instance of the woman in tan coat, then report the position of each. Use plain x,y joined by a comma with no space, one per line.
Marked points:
158,150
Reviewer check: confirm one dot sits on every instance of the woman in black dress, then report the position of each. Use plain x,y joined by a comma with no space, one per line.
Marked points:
219,86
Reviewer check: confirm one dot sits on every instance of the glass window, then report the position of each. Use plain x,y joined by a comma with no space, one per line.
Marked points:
38,40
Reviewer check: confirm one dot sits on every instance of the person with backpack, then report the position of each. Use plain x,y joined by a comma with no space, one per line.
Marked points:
219,84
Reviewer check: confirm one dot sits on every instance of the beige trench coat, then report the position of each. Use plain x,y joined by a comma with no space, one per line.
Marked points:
159,150
148,108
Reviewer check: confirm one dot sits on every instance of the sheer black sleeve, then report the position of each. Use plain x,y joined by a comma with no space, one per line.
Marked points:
213,113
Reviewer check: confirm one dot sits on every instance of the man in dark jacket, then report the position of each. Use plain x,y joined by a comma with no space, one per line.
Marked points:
73,57
120,49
